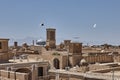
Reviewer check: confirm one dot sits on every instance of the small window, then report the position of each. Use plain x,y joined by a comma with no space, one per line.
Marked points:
0,45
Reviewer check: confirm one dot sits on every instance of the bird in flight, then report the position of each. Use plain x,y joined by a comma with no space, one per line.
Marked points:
42,24
94,26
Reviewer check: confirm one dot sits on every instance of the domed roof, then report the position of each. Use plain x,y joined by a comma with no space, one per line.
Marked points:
83,61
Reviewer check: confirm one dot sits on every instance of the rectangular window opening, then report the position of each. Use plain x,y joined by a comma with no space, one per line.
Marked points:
40,71
0,45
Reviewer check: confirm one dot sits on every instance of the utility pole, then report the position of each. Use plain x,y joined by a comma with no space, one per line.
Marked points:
112,73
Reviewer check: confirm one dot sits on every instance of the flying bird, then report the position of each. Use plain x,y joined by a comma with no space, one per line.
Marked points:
94,26
42,24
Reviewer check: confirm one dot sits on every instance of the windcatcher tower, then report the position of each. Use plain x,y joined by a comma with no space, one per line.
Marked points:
75,48
3,45
75,52
51,38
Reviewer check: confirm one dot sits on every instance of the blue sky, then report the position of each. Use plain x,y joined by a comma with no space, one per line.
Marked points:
71,18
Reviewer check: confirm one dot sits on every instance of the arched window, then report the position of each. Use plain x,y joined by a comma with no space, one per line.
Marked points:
56,63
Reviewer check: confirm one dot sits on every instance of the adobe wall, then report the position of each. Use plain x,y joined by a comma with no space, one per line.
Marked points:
62,59
13,75
3,45
64,62
75,60
6,56
99,58
116,58
31,66
107,70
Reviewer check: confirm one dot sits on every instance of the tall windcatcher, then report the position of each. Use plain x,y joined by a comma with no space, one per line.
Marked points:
51,38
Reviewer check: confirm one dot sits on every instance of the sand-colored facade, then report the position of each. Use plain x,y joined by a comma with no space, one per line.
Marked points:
3,45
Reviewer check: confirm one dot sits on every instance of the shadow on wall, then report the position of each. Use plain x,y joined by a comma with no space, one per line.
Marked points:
25,70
